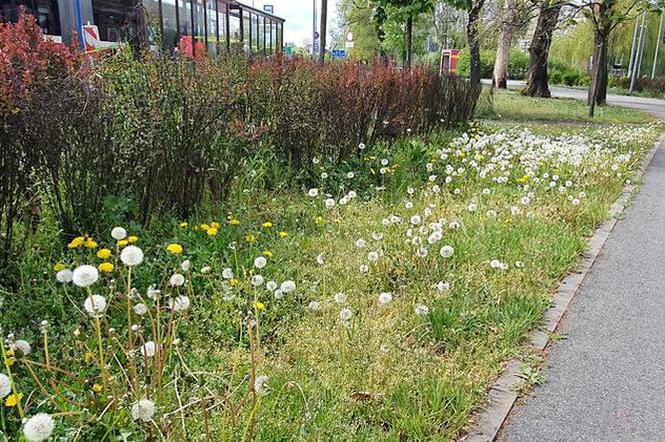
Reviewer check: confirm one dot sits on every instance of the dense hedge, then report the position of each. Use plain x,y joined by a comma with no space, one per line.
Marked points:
161,134
655,87
518,63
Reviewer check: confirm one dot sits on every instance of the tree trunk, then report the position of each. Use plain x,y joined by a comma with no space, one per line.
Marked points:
474,45
536,80
500,74
324,30
409,41
598,87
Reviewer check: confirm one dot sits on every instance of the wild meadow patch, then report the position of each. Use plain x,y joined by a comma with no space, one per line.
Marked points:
377,303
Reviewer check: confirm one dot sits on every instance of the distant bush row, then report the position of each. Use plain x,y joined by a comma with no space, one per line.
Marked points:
163,133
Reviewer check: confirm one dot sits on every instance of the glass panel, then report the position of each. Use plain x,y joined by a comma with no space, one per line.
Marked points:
260,44
185,15
247,31
115,21
48,17
211,11
256,33
170,25
234,31
221,21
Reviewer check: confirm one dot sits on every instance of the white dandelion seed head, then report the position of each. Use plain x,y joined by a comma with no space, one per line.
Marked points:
415,220
95,305
176,280
421,309
314,306
350,175
205,270
64,276
361,243
260,262
340,297
85,275
363,268
385,298
38,428
443,286
118,233
148,349
313,192
140,309
271,286
278,294
180,303
377,236
5,386
287,286
373,256
345,314
447,251
320,260
261,385
227,273
330,203
23,346
257,280
131,256
143,410
186,265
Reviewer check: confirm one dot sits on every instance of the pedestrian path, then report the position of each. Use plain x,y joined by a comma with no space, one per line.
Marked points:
606,380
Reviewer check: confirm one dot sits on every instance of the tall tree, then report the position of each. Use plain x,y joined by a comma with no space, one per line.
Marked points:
536,78
508,18
408,11
323,30
605,15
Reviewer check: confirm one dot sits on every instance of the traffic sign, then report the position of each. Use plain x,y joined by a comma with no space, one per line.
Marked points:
338,53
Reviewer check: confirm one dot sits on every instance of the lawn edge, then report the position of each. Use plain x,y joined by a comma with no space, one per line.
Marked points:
489,420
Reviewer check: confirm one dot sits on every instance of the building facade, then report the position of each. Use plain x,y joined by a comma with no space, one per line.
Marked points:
191,27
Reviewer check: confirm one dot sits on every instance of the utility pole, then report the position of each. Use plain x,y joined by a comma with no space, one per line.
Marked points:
660,37
632,48
638,55
324,30
314,28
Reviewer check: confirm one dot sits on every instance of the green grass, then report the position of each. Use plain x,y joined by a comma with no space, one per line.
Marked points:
510,106
386,373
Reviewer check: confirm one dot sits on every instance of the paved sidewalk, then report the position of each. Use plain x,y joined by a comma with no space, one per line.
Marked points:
606,380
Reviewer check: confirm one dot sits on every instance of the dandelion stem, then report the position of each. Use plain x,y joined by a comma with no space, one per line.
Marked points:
46,356
102,363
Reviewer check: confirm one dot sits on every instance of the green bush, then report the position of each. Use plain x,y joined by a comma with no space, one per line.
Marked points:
518,64
565,74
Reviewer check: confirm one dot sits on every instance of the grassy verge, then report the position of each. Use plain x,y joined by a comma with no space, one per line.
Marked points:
419,269
509,105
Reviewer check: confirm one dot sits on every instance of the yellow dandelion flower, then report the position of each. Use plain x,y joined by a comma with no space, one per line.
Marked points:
233,221
97,388
76,242
258,305
250,238
122,243
267,253
88,357
90,243
234,281
13,400
103,254
174,249
133,239
183,225
215,225
106,267
59,266
318,220
205,226
212,231
283,234
267,225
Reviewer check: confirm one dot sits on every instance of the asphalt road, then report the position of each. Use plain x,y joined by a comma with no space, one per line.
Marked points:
605,381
